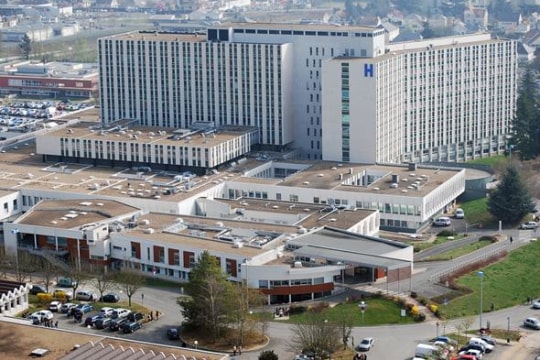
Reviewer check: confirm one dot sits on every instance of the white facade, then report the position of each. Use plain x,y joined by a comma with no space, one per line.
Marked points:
448,99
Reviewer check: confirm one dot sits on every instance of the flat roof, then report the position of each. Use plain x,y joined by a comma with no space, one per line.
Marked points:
67,214
157,35
311,215
350,248
296,26
329,175
151,134
202,232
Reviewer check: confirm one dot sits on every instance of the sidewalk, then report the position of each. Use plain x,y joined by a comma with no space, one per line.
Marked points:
525,349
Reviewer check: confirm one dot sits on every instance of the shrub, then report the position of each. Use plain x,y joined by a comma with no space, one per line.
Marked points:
414,294
319,307
423,300
446,233
44,298
268,355
415,311
419,317
433,308
297,309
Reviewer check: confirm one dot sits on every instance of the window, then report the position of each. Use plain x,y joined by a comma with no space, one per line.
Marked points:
15,205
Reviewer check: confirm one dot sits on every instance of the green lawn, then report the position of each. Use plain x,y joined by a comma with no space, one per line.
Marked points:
423,245
493,161
464,250
506,283
378,311
476,213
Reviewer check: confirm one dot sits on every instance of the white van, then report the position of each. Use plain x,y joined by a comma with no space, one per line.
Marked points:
426,351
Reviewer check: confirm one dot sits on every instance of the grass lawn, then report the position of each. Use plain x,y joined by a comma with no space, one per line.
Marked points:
378,311
506,283
492,161
423,245
476,214
454,253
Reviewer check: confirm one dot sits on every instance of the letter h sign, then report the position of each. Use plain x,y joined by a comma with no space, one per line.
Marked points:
368,70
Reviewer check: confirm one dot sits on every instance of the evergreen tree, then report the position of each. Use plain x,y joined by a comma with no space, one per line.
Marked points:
511,200
526,123
209,307
26,46
268,355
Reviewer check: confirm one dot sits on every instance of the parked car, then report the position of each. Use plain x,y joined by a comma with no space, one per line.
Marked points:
444,345
536,304
66,282
173,334
106,311
83,308
66,307
479,341
529,225
459,213
85,295
110,298
473,347
55,305
532,323
44,314
134,316
37,289
131,327
476,354
442,221
445,339
120,313
365,344
91,320
489,339
117,324
103,323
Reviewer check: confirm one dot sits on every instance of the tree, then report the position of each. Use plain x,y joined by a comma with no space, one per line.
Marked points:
511,200
78,272
526,122
129,280
316,336
48,271
268,355
345,323
26,46
209,306
103,281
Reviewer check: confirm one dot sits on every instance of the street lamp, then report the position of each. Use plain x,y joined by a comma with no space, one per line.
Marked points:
508,331
481,275
196,344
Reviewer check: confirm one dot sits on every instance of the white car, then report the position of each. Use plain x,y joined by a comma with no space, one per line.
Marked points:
529,225
366,344
536,304
44,314
484,344
476,353
106,311
444,345
442,221
459,214
55,305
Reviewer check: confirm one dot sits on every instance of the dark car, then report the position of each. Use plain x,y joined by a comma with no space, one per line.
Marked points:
173,334
91,320
37,289
103,323
117,324
131,327
472,347
110,298
134,316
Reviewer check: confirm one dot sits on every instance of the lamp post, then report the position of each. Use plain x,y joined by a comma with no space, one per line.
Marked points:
508,331
481,275
196,344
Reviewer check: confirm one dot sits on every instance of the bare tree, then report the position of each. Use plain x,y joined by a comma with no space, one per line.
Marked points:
317,336
464,325
103,281
129,281
23,266
49,271
78,272
345,323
